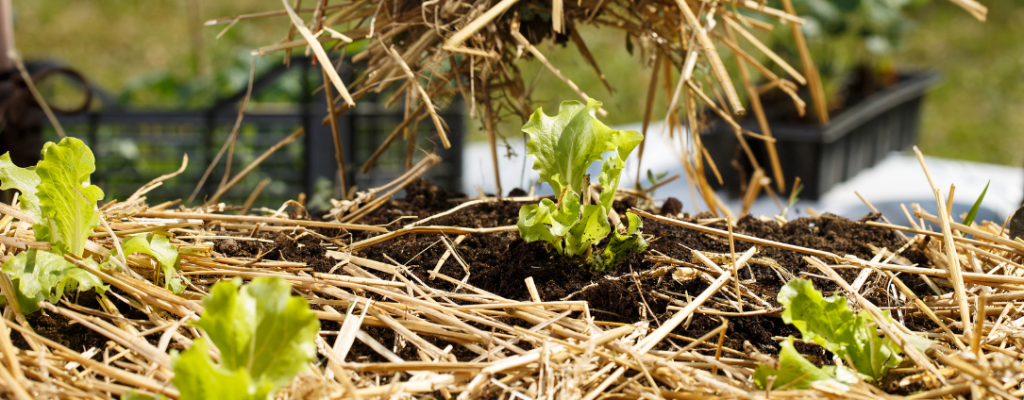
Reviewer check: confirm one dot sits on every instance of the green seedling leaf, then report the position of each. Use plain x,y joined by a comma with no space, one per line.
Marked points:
57,194
535,220
66,198
977,204
566,144
265,336
42,275
792,199
794,370
198,377
548,221
620,246
831,324
159,247
23,180
611,173
591,229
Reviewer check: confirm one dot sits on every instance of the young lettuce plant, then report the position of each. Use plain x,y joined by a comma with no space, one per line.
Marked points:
563,146
830,323
57,195
265,337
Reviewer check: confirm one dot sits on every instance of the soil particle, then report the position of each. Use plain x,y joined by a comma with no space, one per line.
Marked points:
671,207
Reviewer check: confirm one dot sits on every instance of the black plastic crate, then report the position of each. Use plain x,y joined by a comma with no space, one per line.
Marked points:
824,155
158,139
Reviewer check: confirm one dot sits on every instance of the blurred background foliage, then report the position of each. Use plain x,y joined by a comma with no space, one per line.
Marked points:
157,54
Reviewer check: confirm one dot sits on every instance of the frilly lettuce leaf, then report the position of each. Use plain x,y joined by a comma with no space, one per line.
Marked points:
41,275
593,227
66,198
198,377
57,194
265,336
535,220
160,248
564,145
794,367
23,180
620,246
831,324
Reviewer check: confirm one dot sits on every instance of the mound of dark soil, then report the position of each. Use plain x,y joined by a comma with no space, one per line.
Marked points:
500,263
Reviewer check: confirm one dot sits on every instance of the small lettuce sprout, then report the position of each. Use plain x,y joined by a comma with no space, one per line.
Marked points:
56,193
265,336
563,147
828,322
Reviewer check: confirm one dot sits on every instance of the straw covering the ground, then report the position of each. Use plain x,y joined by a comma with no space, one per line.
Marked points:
506,349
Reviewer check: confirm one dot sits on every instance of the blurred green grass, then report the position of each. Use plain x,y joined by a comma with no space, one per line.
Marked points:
976,113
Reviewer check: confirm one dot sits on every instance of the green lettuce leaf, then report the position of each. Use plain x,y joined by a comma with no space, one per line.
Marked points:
198,377
564,146
160,248
23,180
611,169
620,246
42,275
65,196
792,366
593,227
265,336
831,324
611,173
535,220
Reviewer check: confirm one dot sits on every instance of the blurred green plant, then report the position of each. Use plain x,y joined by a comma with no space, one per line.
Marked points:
850,37
177,89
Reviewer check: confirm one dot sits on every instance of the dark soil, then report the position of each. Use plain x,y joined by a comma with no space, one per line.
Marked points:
73,335
500,263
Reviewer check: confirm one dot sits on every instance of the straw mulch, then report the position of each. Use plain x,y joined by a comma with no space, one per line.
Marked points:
565,353
424,54
434,50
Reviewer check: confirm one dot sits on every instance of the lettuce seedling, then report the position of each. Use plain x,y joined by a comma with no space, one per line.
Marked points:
265,337
159,247
57,194
563,147
830,323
